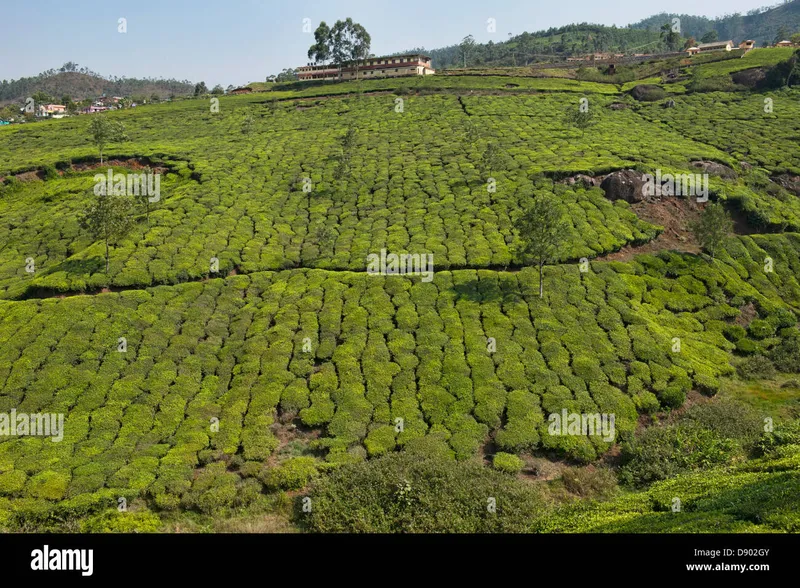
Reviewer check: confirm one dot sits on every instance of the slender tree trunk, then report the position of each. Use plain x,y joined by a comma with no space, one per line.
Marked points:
107,258
541,280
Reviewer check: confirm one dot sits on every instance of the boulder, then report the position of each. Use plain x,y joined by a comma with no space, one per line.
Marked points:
587,181
648,93
750,78
715,169
788,182
626,185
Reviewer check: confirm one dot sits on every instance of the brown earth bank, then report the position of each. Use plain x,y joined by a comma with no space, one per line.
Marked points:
133,163
675,215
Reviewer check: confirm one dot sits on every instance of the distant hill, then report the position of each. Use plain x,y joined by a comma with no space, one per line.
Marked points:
81,83
553,43
760,24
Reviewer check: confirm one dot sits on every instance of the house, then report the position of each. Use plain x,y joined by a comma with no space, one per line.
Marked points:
747,45
52,110
412,64
784,44
94,108
708,47
244,90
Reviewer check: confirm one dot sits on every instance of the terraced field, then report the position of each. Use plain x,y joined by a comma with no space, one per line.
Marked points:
191,389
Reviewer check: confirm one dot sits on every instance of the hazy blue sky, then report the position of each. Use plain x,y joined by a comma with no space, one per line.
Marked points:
241,41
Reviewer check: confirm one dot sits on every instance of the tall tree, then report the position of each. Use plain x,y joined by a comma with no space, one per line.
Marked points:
200,89
350,44
347,43
709,37
105,131
781,35
108,219
670,37
467,45
542,230
320,51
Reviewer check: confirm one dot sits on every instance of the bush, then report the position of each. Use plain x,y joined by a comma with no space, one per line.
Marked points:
664,451
706,384
293,474
746,346
760,329
401,492
782,434
507,462
786,356
756,367
729,419
672,397
113,521
734,333
50,172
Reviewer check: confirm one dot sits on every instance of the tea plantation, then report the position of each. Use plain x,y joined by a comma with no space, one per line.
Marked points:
237,357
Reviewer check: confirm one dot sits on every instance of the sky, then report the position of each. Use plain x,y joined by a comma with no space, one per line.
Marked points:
241,41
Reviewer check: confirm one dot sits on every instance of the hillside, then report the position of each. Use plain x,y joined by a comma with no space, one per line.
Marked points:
237,355
757,25
80,83
642,37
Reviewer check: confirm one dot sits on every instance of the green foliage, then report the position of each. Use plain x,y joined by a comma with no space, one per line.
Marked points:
113,521
664,451
507,462
293,474
104,131
712,228
756,367
408,493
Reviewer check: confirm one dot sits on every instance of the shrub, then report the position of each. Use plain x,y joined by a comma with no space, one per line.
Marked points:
706,384
646,402
402,492
292,474
729,419
786,356
663,451
113,521
507,462
213,490
734,332
760,329
783,434
672,397
49,485
746,346
756,367
50,172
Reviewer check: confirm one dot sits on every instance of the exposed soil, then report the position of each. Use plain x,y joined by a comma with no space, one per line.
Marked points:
133,163
746,314
674,214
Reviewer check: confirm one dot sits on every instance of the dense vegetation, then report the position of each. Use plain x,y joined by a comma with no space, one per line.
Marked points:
285,371
80,83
